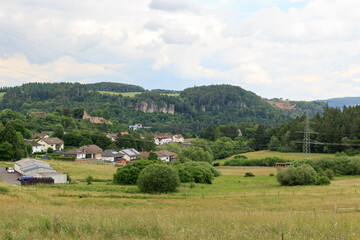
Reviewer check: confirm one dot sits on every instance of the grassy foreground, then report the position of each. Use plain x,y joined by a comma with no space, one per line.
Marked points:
233,207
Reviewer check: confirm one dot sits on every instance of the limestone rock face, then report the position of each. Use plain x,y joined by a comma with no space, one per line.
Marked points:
151,107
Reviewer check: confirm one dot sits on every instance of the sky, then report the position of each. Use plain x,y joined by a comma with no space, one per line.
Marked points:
295,49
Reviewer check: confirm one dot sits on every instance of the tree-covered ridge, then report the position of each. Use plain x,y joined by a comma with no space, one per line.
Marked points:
192,111
114,87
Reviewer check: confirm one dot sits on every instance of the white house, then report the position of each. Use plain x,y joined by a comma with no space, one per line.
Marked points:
166,156
51,142
111,156
36,147
162,139
78,153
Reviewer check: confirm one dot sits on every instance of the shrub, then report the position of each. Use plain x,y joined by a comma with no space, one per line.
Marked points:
323,180
89,179
158,178
240,157
267,162
129,174
354,167
271,175
249,174
299,175
153,156
329,174
68,178
4,190
50,150
216,164
199,172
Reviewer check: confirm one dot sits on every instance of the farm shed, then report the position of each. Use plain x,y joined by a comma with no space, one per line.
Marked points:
35,169
27,162
57,176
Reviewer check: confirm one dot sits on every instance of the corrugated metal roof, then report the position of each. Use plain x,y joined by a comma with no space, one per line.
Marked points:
30,161
131,152
33,167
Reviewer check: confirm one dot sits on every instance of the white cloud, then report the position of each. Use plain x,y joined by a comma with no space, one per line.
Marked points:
298,53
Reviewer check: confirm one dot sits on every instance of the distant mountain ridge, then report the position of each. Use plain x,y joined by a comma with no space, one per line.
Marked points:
341,102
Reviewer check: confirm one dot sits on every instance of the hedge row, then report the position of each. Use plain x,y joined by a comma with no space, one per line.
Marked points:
263,162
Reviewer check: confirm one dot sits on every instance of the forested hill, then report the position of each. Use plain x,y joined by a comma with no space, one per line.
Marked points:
114,87
192,111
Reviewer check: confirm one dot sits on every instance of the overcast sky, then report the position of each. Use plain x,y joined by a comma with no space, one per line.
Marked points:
296,49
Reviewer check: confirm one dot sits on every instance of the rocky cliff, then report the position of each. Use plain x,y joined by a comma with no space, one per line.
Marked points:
151,107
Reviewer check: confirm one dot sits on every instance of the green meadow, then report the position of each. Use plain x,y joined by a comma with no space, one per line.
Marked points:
233,207
285,156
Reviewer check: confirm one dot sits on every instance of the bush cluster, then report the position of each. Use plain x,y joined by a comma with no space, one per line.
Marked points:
199,172
129,174
267,162
158,178
249,174
297,175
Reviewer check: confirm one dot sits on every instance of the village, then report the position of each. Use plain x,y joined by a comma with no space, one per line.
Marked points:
35,169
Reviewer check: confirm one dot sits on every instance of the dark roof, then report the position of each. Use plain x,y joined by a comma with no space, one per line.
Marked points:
91,149
34,144
165,153
162,136
74,152
111,153
52,140
40,135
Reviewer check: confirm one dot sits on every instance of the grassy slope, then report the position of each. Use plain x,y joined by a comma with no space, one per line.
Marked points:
285,156
233,207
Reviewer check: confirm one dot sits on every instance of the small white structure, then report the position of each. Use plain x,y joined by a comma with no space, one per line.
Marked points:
111,156
162,139
78,153
36,147
166,156
58,177
135,127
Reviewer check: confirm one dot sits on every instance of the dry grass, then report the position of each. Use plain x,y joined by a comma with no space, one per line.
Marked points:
242,170
79,170
233,207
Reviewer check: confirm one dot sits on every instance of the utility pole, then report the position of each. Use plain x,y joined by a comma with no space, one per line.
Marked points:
307,141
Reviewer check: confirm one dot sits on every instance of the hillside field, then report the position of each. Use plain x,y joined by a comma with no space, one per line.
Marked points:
267,153
233,207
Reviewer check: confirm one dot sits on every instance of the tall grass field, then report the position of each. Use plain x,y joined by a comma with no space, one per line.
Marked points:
233,207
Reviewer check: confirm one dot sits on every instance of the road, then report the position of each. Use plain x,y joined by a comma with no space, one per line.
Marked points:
9,177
